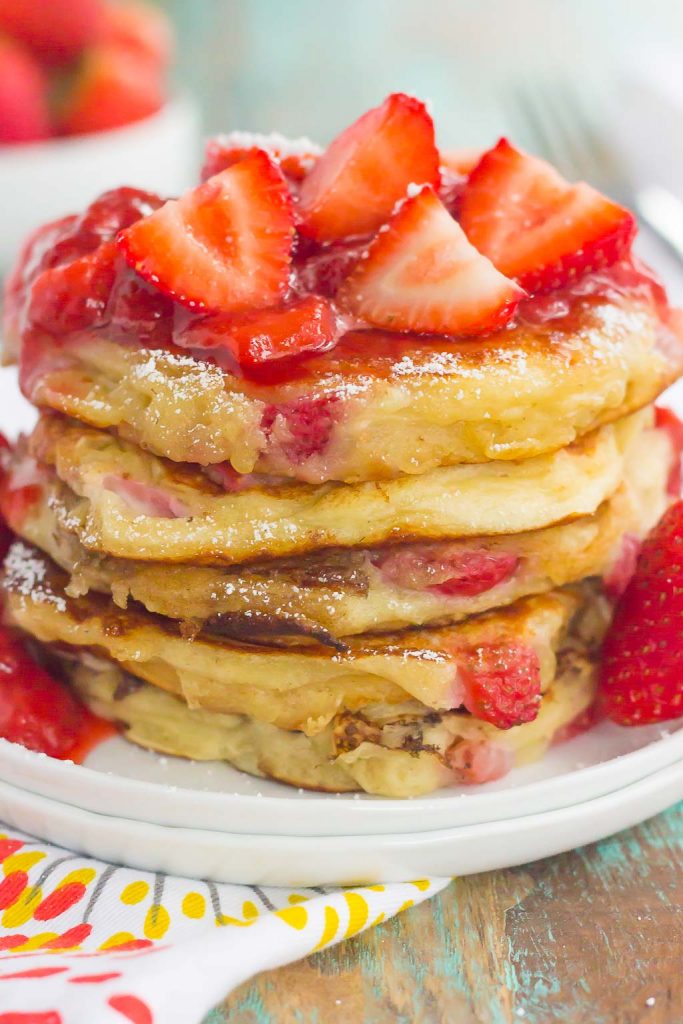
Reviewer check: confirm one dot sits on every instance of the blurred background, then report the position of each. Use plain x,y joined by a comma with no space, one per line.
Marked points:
130,86
311,66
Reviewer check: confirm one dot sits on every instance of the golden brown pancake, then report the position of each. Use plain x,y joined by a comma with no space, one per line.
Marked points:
131,504
394,751
376,405
299,688
332,594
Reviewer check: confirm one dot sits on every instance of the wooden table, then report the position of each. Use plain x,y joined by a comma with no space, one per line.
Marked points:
590,937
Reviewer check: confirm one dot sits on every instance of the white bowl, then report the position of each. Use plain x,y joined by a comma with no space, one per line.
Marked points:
41,181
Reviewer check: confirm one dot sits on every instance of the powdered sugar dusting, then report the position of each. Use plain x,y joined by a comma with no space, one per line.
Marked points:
278,145
26,574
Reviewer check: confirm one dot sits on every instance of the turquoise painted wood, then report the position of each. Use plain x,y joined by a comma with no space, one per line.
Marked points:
589,937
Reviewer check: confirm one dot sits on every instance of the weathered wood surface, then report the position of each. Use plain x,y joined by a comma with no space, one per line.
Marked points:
590,937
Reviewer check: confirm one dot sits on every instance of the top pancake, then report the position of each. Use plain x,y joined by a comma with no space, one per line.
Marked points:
377,405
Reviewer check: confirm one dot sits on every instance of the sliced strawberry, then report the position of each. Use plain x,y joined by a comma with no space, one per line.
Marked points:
261,336
584,721
361,176
421,274
146,499
446,569
324,270
642,659
225,245
296,157
499,683
477,761
302,428
537,227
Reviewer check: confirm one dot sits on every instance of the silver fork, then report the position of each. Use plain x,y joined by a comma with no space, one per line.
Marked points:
558,127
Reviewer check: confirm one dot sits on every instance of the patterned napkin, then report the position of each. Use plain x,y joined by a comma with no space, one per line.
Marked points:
84,942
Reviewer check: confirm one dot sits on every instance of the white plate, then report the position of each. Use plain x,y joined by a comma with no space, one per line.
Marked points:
46,180
133,783
339,860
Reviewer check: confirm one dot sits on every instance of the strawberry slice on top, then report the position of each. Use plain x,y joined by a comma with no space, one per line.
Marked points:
421,273
225,245
537,227
366,170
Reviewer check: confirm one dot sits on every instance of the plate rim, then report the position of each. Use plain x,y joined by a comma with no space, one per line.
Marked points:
238,858
86,788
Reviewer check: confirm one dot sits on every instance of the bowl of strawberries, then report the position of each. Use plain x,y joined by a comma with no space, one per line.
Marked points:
84,105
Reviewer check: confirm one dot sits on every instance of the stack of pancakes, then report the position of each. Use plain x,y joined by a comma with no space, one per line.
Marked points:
383,572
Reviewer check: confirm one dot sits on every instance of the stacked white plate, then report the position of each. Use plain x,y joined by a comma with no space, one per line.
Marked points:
208,820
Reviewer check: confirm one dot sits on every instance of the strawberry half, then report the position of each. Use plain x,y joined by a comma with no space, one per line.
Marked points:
642,658
225,245
537,227
421,274
500,683
360,177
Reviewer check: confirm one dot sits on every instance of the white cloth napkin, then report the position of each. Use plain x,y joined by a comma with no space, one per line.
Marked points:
84,942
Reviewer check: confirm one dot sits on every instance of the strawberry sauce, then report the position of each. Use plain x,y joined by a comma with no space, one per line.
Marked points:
71,281
38,711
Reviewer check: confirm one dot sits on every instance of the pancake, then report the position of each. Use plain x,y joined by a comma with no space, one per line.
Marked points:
328,595
376,405
395,751
301,688
131,504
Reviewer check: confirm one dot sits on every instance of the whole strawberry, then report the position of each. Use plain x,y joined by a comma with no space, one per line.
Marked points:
642,666
24,113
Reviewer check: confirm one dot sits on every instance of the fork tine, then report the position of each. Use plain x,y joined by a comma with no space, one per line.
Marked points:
579,133
566,134
600,159
542,124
